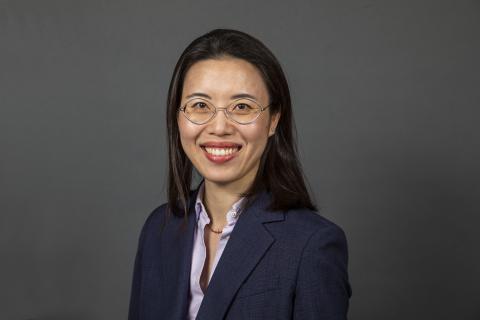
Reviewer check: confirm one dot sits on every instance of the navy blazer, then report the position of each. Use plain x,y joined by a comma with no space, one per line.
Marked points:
276,265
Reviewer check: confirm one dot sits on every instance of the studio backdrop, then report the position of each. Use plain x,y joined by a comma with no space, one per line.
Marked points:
386,98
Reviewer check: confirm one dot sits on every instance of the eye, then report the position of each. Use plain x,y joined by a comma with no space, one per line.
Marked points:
242,107
199,105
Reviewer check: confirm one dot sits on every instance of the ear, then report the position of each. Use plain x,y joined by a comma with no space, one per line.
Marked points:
273,123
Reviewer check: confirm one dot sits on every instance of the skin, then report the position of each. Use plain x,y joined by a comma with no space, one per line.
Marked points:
221,79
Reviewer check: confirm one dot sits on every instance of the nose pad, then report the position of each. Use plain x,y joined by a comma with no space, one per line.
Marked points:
221,113
220,122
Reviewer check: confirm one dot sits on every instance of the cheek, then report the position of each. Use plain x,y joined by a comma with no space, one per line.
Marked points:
188,133
257,136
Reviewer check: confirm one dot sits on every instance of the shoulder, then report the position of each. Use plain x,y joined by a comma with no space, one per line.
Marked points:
154,222
161,215
313,224
306,233
319,238
156,217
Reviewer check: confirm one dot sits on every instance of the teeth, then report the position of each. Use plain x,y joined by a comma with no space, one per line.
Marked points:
221,151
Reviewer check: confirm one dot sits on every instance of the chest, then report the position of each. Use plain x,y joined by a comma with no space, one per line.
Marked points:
211,245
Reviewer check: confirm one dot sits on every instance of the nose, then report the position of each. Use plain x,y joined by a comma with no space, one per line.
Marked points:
220,124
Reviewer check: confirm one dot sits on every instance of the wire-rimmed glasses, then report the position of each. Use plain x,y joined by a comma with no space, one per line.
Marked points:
241,111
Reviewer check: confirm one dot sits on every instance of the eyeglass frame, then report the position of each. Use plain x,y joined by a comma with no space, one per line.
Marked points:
225,110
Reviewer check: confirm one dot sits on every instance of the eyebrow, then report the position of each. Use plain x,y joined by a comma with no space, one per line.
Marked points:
235,96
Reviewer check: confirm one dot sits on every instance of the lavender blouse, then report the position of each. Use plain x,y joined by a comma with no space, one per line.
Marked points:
199,249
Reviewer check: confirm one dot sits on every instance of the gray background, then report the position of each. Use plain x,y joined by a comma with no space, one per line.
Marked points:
386,99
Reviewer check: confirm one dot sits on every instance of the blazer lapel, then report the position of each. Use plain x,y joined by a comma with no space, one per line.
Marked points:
248,242
177,247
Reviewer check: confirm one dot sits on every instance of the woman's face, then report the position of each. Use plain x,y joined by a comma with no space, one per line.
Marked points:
223,151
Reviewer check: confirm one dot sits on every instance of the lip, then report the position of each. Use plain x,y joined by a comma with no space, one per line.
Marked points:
223,144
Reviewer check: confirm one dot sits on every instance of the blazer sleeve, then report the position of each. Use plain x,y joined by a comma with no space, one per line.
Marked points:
322,288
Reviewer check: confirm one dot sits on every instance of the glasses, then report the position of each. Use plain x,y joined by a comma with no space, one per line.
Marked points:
241,111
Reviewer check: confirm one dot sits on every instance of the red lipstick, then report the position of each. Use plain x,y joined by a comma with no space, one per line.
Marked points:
216,158
219,159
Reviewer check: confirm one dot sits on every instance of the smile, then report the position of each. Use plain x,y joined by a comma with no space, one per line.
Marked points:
220,154
221,151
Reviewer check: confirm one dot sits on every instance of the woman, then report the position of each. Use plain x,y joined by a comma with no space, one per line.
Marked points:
247,242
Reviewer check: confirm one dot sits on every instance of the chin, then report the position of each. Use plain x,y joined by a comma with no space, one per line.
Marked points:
219,178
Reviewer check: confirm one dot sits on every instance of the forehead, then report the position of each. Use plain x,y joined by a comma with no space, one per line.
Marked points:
225,77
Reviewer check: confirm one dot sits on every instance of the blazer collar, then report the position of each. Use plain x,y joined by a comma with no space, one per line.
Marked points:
247,244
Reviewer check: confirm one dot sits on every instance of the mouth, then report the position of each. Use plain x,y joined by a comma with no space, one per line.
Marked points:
220,153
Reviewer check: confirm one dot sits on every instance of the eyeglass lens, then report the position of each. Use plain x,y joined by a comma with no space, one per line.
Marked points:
241,111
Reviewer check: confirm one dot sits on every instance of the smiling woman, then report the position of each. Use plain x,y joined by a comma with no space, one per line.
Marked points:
225,152
247,242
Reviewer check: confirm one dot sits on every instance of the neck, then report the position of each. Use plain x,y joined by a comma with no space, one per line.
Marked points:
218,199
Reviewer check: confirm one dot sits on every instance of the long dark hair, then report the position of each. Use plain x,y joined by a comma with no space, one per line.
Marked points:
280,171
